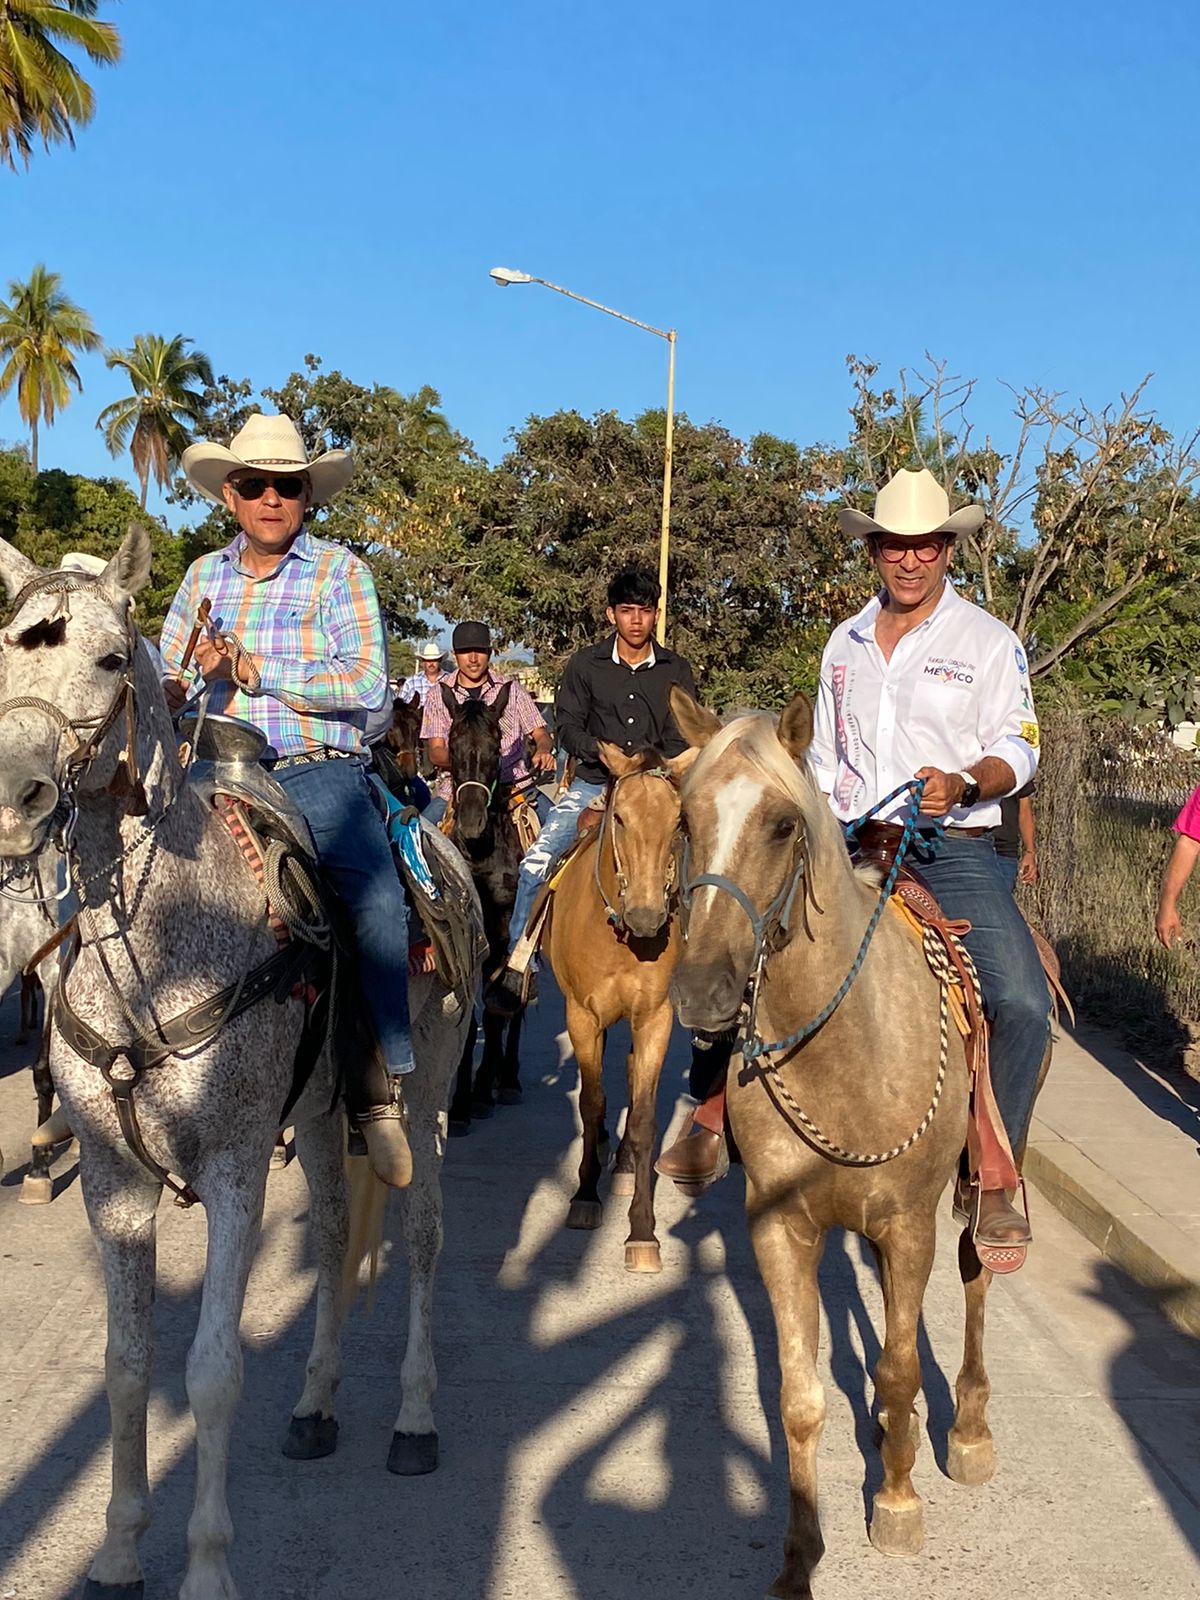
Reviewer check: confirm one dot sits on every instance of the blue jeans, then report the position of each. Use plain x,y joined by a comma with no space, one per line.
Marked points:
1008,870
969,882
435,810
559,828
354,850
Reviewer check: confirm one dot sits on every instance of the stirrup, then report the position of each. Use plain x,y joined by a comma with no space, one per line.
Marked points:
1000,1258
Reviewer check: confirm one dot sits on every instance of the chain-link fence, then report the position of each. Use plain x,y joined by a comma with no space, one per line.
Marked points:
1107,794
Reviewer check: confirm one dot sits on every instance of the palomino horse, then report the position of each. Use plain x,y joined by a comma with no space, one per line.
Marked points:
613,943
860,1126
170,916
483,828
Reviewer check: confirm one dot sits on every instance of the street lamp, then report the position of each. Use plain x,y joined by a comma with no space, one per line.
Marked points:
506,275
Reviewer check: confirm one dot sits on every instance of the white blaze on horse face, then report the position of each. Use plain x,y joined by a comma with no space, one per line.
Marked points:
733,803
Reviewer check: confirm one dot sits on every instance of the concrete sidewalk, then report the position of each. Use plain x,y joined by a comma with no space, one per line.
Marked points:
1114,1148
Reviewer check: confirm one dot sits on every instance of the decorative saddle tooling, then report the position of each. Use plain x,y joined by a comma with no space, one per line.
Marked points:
311,964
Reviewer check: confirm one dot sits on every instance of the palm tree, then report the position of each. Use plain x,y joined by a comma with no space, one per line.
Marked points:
154,422
42,95
40,331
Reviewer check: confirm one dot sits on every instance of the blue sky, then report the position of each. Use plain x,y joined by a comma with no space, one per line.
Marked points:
1010,187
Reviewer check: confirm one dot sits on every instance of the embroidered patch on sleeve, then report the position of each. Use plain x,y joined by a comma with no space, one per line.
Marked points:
1030,734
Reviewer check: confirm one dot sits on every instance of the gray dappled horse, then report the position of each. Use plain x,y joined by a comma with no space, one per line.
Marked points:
26,924
171,915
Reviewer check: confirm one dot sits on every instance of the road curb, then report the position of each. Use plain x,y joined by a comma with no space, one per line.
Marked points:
1152,1250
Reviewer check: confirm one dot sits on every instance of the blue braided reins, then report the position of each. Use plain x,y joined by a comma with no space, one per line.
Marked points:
753,1048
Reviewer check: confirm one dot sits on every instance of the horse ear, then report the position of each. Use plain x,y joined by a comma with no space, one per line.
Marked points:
617,762
500,703
16,570
413,703
679,766
695,723
129,569
796,727
449,700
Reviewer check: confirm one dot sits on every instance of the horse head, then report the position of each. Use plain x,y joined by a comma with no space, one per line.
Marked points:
642,823
751,812
403,736
474,745
68,658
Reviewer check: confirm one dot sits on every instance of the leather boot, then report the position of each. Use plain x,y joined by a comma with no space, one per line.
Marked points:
53,1131
696,1159
385,1133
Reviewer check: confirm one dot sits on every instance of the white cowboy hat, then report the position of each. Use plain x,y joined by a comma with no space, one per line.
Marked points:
273,443
430,652
911,506
80,561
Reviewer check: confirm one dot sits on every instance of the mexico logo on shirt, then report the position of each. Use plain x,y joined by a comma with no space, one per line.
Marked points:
945,669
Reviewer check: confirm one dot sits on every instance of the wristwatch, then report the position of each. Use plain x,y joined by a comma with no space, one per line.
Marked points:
970,794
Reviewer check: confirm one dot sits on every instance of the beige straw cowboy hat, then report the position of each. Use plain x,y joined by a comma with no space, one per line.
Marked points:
275,445
430,652
911,506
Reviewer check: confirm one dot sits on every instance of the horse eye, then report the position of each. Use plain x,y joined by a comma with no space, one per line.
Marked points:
785,828
111,663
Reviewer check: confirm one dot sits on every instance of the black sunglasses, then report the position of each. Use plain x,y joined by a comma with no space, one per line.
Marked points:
289,488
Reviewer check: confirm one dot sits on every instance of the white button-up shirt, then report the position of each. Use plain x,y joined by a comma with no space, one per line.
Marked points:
955,690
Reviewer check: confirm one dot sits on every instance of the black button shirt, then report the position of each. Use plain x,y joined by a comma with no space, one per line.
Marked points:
600,698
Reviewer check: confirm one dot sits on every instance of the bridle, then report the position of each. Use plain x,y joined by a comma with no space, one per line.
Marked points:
608,830
86,734
772,928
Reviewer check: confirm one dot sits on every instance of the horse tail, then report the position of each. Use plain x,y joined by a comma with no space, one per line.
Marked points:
368,1203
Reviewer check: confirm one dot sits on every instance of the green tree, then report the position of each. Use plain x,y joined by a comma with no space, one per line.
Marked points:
41,331
47,515
155,422
42,93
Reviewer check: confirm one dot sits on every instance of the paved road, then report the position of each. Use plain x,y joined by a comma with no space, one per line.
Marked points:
603,1436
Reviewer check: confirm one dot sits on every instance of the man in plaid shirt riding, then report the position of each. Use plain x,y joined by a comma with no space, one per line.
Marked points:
312,665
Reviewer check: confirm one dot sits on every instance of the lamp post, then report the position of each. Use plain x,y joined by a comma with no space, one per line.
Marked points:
507,275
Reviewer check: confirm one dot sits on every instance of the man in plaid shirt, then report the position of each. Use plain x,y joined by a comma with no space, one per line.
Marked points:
474,679
312,665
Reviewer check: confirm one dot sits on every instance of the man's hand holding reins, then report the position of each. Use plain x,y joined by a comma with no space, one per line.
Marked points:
216,663
942,791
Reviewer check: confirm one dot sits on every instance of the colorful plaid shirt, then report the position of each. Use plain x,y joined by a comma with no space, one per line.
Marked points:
520,717
314,630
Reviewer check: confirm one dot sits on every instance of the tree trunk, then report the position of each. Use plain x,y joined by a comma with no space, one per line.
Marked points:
145,490
33,443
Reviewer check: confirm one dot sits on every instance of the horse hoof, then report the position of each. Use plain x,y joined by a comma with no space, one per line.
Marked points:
970,1464
112,1591
459,1127
622,1185
310,1438
36,1191
413,1454
897,1533
509,1094
643,1256
584,1214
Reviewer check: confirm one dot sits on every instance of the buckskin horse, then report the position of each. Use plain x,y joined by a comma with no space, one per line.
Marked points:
859,1125
482,825
173,918
613,942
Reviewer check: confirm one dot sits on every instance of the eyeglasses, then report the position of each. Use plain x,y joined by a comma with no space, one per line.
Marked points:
254,488
928,550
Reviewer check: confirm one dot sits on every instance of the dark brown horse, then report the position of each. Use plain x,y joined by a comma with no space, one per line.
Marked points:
484,830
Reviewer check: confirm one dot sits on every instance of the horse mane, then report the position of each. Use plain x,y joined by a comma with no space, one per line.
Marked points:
754,734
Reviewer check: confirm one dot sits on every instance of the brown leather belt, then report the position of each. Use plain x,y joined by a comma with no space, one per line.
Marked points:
886,835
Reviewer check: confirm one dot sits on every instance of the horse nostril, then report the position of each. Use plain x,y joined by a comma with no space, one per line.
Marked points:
33,797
